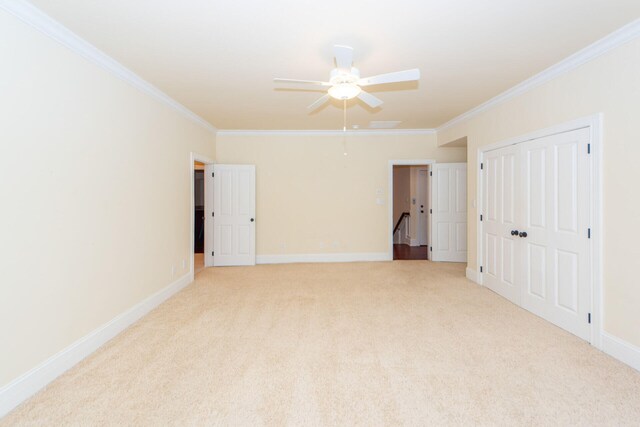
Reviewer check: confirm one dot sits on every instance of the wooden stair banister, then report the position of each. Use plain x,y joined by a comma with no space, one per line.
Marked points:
400,221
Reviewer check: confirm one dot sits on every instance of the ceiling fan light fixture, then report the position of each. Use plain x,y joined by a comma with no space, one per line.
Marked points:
344,91
345,82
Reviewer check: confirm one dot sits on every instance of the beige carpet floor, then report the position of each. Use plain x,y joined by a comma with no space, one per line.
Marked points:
390,343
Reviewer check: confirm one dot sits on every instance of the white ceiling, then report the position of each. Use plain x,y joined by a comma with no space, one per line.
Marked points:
218,58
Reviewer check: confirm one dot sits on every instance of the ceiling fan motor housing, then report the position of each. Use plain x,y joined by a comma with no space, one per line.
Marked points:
340,76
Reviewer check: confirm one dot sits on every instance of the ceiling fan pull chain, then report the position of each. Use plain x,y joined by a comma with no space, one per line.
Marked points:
344,116
344,127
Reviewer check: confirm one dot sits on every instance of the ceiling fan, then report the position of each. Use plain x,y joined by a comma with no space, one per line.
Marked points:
345,82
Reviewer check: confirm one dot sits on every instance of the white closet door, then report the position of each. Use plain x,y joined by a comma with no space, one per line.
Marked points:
234,220
449,218
555,211
500,219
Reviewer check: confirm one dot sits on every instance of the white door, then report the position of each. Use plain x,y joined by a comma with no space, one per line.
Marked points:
555,212
234,209
535,227
449,201
208,215
422,196
499,221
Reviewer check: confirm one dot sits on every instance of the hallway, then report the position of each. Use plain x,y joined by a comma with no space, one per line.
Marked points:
405,252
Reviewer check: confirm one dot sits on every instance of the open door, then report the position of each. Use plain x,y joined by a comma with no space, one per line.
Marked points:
422,197
208,215
234,207
449,201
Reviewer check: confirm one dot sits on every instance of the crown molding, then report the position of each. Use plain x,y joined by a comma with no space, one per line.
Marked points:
593,51
324,132
42,22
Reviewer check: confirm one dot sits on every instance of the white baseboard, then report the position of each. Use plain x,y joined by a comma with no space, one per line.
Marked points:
414,242
342,257
621,350
471,274
31,382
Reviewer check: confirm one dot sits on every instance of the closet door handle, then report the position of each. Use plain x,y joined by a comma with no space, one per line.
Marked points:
523,234
514,232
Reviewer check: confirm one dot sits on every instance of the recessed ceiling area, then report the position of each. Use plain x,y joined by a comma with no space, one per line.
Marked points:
219,58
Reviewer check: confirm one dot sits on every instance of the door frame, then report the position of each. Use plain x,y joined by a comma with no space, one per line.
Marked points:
208,240
392,163
594,123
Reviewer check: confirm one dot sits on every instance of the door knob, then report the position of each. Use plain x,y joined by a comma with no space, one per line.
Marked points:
523,234
514,232
252,220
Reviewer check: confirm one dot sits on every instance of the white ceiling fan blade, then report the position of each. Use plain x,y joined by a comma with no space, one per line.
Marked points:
398,76
318,102
344,57
369,99
312,82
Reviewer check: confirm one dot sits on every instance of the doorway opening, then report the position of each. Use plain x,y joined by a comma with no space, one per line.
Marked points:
198,217
437,210
411,212
201,212
410,209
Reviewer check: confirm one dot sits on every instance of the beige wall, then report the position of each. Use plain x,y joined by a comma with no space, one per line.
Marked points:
95,223
312,199
608,85
401,191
